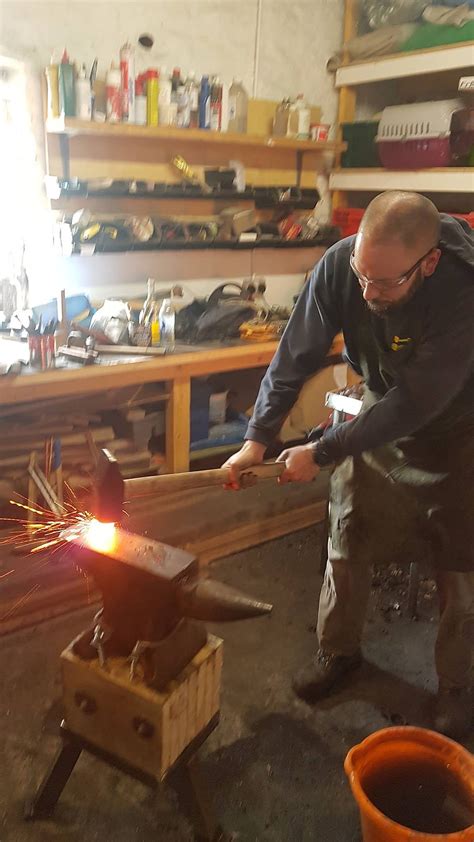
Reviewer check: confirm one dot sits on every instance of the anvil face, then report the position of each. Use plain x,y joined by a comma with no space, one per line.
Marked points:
169,564
138,579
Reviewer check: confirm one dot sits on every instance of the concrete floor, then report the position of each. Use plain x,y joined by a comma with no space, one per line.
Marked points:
274,765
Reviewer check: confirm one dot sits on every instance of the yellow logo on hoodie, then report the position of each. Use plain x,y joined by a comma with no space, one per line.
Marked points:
398,343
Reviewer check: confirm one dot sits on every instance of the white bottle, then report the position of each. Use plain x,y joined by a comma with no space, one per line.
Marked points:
192,87
167,320
164,99
114,95
83,95
183,105
238,108
300,118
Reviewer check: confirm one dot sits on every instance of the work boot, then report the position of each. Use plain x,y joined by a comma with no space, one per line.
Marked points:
453,712
319,677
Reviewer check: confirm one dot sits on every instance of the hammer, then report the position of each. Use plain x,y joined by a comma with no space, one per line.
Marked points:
111,488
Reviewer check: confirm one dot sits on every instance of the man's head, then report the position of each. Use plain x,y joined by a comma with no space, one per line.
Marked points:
395,249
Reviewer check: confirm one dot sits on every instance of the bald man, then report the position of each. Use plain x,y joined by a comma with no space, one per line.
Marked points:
402,292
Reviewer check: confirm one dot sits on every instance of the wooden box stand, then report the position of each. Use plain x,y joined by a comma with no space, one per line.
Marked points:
142,727
152,736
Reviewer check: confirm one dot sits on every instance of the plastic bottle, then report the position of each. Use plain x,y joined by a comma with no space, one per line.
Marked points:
167,324
300,118
164,98
114,94
175,84
183,104
238,107
205,104
216,105
152,91
127,69
145,313
67,88
155,325
52,83
83,95
140,100
192,88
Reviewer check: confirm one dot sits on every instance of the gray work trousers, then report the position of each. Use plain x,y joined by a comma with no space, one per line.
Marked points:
378,513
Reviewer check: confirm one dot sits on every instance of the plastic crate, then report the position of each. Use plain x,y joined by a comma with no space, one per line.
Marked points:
348,220
420,135
361,147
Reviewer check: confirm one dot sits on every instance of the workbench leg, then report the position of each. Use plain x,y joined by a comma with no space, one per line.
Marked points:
194,802
44,801
178,425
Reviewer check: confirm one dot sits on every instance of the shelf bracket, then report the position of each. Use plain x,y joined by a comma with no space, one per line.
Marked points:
65,155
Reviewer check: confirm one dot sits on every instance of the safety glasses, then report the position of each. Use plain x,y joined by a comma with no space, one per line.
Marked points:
387,285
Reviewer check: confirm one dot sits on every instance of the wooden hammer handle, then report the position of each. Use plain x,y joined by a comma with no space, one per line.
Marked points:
198,479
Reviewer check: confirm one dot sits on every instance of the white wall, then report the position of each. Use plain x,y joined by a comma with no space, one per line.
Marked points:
278,48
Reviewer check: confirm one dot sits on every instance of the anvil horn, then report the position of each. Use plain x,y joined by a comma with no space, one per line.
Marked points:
205,599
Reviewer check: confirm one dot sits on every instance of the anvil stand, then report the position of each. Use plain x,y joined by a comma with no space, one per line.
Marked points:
183,778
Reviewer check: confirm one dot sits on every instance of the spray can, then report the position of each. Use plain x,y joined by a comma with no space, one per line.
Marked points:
127,69
67,90
205,104
113,88
140,100
52,83
83,95
152,90
216,105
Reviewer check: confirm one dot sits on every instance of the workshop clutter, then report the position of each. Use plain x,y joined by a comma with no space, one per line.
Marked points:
88,233
67,438
154,97
217,182
411,783
151,97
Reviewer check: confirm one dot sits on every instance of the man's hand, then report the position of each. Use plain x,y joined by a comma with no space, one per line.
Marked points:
300,465
250,454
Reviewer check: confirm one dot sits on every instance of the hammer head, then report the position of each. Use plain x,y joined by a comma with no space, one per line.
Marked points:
109,489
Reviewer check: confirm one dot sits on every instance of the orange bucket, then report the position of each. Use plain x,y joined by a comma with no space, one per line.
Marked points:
412,785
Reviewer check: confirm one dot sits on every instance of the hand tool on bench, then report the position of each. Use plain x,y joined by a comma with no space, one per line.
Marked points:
111,489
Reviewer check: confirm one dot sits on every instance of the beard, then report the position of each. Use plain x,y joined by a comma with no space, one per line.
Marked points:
383,307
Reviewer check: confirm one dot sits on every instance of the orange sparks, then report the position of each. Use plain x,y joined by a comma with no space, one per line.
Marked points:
8,573
46,545
19,602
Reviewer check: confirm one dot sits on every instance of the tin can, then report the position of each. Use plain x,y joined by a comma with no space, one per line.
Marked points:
319,131
127,70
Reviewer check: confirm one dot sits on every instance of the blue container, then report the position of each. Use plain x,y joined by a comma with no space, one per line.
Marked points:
205,104
200,395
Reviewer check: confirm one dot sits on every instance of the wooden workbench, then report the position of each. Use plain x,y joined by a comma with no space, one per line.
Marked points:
175,370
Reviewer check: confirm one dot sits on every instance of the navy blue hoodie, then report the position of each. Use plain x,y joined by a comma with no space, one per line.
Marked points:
417,361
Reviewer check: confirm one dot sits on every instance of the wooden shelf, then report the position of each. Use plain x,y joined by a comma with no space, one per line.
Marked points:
441,180
88,251
402,65
71,127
